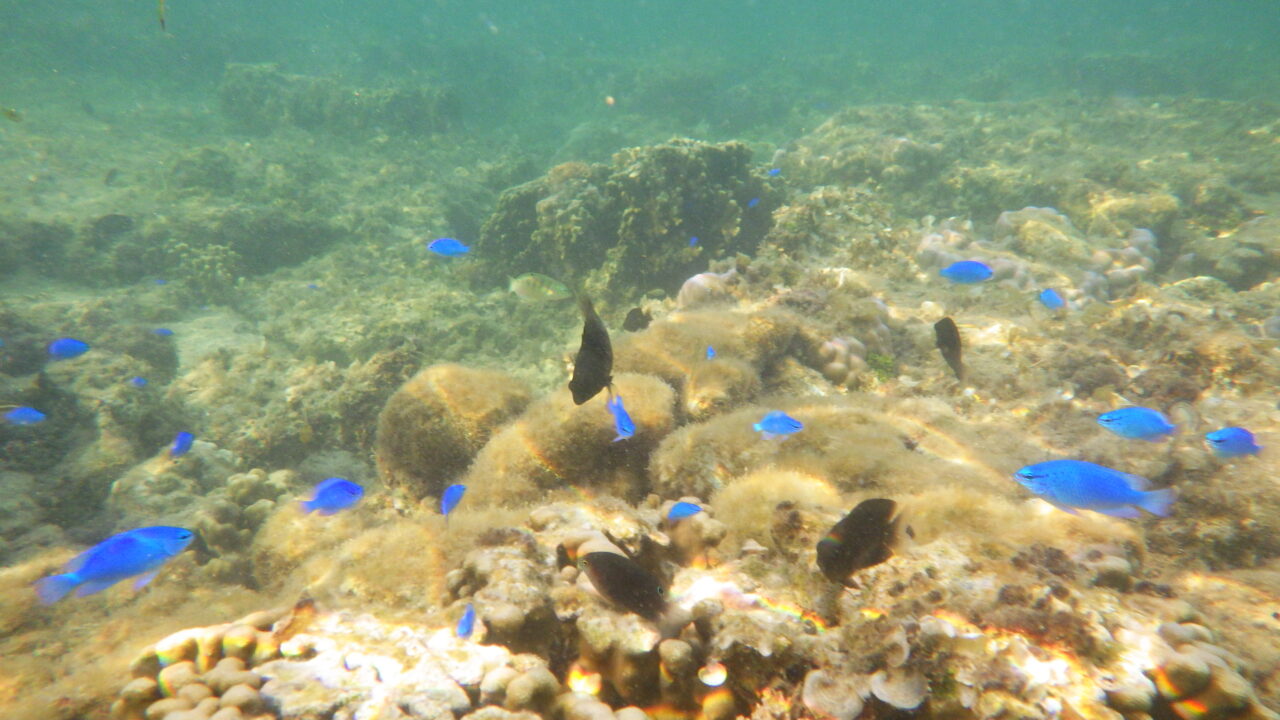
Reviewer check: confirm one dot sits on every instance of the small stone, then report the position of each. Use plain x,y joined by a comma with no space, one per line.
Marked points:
140,692
160,708
493,688
177,676
230,672
504,618
239,641
677,658
244,697
145,665
209,648
263,619
533,690
1112,572
631,712
227,713
574,706
177,647
195,692
266,649
1179,633
1132,697
903,689
1183,675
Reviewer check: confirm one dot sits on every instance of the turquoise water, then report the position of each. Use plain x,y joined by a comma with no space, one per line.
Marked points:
240,210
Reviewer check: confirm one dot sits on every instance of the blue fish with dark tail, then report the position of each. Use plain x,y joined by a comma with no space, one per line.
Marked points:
1138,423
778,423
966,272
138,552
1232,442
448,247
621,420
1072,485
67,348
467,623
333,495
450,498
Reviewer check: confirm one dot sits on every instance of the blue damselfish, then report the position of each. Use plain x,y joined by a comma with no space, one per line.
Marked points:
1072,485
181,444
966,272
450,498
1051,299
67,348
448,247
1232,442
1138,423
23,415
778,423
136,552
333,495
466,623
682,510
621,420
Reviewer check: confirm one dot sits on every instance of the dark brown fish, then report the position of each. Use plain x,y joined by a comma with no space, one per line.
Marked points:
593,365
11,114
623,582
863,538
948,339
110,178
637,320
112,224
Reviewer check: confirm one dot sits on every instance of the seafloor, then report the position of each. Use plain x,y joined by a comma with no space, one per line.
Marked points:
313,335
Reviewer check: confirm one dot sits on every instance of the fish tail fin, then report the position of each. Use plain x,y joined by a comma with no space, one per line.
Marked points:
307,506
1158,502
55,587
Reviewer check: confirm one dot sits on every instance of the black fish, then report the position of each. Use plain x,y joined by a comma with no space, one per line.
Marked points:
861,539
637,320
948,339
593,365
621,581
113,224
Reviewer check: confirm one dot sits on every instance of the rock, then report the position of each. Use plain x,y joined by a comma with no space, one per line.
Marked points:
195,692
533,690
1112,572
230,672
177,676
246,698
903,689
161,708
829,694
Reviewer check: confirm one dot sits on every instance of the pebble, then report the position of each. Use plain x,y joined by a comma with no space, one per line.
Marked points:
227,713
1179,633
177,676
230,672
140,692
239,641
493,688
631,712
1112,572
195,692
533,690
1184,674
160,708
244,697
1133,697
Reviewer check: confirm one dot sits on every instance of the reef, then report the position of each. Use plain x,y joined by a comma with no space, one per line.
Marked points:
262,98
647,220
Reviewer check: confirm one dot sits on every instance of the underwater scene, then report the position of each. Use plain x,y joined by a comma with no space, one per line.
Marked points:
639,360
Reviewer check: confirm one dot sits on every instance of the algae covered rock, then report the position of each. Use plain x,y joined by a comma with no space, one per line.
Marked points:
627,226
433,425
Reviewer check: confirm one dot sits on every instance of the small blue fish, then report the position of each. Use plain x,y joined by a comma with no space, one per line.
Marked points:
682,510
163,332
1232,442
467,623
181,444
1051,299
621,420
778,423
711,353
161,281
136,552
138,381
693,241
966,272
753,202
23,415
1138,423
774,171
312,286
67,348
1072,485
448,247
332,495
450,498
